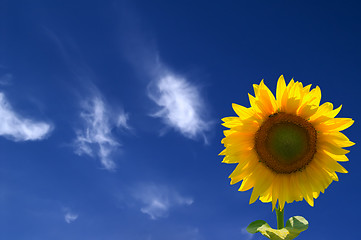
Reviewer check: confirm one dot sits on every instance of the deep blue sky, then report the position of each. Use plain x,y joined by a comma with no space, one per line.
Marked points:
110,113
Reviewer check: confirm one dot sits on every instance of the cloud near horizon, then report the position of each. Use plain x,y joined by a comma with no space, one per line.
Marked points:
18,128
95,138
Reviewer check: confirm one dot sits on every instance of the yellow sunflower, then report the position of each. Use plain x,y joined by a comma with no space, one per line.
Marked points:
287,148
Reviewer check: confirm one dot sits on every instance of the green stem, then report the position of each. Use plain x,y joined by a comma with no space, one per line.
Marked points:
280,218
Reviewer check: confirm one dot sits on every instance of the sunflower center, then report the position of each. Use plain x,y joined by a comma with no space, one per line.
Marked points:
285,142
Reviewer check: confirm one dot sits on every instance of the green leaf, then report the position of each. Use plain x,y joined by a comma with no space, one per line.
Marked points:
294,226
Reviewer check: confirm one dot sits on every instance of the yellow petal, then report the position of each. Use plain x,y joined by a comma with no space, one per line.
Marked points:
260,106
282,192
267,98
306,111
329,163
242,112
338,158
314,180
334,149
275,190
238,138
242,172
237,158
335,124
324,113
330,174
316,96
306,190
281,87
321,114
267,196
247,183
264,180
336,138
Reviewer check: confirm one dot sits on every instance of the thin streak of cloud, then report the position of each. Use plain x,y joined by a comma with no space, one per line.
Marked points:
95,138
18,128
157,200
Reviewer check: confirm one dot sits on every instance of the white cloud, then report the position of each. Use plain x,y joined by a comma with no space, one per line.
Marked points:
157,200
122,120
96,139
18,128
180,104
70,217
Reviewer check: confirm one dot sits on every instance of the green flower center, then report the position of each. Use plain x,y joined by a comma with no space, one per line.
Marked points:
286,143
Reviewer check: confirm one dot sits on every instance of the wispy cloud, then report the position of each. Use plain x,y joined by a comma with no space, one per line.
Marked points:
69,216
122,120
157,200
6,79
179,104
95,138
18,128
246,234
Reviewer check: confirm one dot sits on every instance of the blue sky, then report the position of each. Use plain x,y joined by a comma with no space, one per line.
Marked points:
110,113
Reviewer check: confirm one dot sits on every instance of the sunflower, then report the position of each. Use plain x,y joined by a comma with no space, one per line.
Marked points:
287,148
